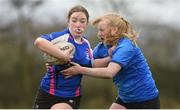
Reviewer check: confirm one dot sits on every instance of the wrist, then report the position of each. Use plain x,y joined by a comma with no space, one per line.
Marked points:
81,70
108,59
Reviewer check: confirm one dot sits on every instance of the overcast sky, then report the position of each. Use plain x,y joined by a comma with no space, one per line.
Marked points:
160,11
166,11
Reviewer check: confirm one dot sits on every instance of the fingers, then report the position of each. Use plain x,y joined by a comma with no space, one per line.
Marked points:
66,71
70,50
74,64
47,66
69,71
67,76
73,70
110,50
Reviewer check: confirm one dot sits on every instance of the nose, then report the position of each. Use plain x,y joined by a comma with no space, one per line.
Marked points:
78,24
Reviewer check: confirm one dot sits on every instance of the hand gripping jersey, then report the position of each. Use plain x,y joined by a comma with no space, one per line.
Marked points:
100,51
56,83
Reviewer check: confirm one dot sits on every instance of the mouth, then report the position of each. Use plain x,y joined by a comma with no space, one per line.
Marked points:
78,31
101,38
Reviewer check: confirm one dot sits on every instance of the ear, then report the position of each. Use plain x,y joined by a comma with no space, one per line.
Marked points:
114,30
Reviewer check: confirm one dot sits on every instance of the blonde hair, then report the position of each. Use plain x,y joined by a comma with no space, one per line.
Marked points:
124,28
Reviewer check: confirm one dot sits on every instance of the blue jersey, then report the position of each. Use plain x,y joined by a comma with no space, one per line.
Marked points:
134,81
54,82
100,51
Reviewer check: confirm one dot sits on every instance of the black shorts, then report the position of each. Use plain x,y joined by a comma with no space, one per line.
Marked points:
45,100
149,104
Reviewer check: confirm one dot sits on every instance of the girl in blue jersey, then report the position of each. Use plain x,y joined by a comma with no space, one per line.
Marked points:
57,91
127,65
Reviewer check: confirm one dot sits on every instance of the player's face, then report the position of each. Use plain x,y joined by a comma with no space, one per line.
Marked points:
104,29
77,24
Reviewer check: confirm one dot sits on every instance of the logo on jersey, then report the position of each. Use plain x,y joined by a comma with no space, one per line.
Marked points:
88,54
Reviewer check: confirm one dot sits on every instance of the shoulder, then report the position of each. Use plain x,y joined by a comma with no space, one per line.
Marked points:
53,36
64,33
125,43
86,41
125,47
100,45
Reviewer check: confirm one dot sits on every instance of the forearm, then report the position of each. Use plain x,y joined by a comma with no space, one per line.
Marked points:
49,48
102,62
107,72
96,72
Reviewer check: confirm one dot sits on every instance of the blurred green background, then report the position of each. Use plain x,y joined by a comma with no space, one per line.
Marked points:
22,65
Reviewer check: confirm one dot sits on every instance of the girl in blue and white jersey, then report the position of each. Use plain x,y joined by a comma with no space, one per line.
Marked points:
56,90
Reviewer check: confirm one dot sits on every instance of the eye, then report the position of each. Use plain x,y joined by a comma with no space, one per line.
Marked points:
74,20
83,20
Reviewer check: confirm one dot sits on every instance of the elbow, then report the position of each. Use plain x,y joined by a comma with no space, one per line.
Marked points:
110,75
38,42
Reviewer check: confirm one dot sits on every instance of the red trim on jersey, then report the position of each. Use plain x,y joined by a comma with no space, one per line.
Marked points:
90,54
51,90
78,91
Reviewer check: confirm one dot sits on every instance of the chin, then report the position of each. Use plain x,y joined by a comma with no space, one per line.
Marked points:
78,35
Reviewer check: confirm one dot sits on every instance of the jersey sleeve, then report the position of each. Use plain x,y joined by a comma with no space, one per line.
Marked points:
123,54
55,37
52,36
95,52
100,51
47,36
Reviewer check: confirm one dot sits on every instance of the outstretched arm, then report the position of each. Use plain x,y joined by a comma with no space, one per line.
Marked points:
101,62
106,72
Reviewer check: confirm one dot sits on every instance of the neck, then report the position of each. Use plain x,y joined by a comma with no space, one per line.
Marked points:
78,39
